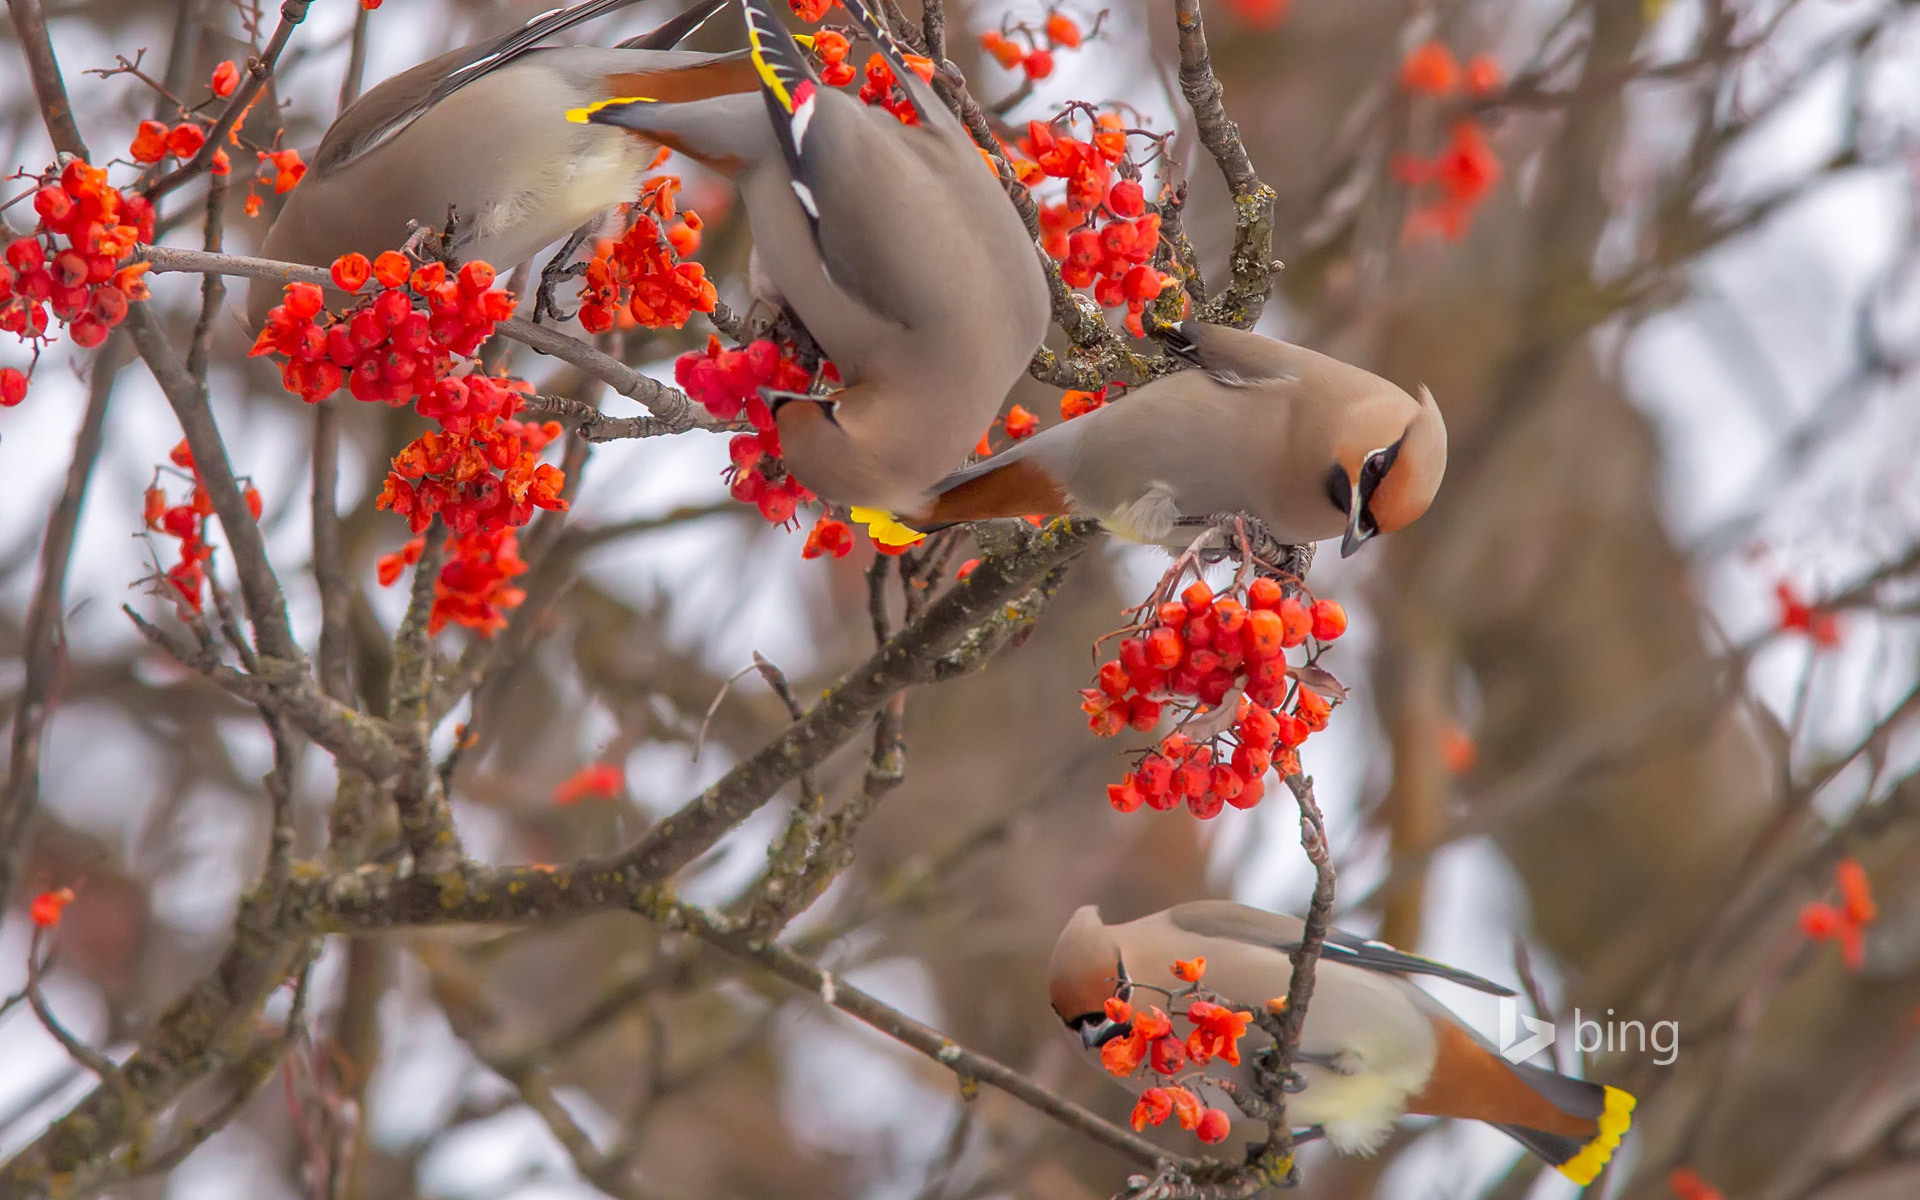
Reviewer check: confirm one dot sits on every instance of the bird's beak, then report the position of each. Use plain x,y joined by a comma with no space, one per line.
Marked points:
1095,1036
1356,537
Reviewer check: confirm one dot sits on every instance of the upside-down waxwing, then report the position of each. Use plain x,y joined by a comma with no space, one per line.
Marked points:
893,244
482,131
1374,1046
1309,446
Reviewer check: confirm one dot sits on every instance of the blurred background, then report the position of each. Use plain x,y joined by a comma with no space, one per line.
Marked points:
1674,343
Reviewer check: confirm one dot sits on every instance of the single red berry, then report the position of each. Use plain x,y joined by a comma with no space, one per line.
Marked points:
13,386
1165,648
1329,619
1125,797
1263,593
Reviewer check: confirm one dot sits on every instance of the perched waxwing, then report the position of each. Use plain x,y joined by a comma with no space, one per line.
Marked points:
893,244
1374,1046
1309,446
482,131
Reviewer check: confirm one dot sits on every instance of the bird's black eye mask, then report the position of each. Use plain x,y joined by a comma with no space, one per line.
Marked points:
1372,471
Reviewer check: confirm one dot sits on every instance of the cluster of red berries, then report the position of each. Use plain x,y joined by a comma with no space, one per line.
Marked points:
70,264
1079,404
480,472
1847,921
396,342
811,11
1102,233
727,383
1059,32
1463,173
1821,626
882,90
1019,425
1150,1041
641,278
1192,653
188,523
831,47
829,537
154,141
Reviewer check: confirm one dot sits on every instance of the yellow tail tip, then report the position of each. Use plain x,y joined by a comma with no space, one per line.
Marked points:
579,116
1614,1121
882,527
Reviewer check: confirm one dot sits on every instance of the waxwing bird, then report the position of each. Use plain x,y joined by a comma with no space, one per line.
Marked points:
482,132
893,244
1374,1046
1309,446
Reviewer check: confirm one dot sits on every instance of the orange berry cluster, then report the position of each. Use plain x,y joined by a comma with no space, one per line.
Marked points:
154,141
640,278
831,47
1192,653
828,536
1036,60
1465,171
70,264
1797,616
1260,14
1688,1184
1102,234
474,588
1079,404
1847,921
396,342
188,523
882,90
1150,1041
597,779
642,274
727,383
451,472
480,471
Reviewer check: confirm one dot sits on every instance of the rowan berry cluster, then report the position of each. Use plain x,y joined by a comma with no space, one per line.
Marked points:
1035,58
1821,626
155,141
396,342
829,537
640,278
1847,921
1101,233
882,90
480,471
1193,654
1463,173
1079,404
1215,1032
187,522
70,264
727,383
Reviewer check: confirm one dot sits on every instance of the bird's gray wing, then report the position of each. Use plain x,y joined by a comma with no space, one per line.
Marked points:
1223,919
1233,357
391,106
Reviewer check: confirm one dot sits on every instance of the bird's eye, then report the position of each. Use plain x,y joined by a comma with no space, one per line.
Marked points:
1339,488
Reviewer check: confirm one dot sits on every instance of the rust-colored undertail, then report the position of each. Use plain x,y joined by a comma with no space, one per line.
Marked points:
1019,489
1471,1082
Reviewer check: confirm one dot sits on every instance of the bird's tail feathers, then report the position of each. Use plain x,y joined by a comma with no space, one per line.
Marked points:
1609,1108
1010,484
